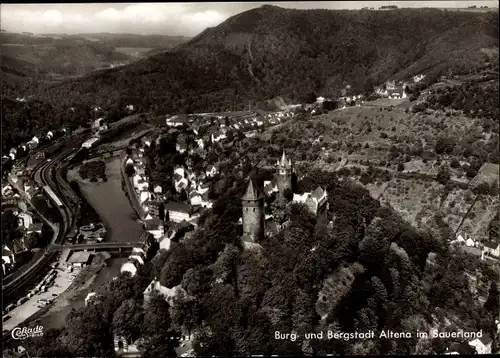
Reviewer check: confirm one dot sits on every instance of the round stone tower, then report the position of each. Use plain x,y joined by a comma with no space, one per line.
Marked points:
284,177
253,213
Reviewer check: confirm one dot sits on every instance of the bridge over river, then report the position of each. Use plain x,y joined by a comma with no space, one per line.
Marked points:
104,246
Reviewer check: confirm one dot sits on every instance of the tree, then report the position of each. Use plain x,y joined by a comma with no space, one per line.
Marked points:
492,304
127,319
10,226
156,317
443,175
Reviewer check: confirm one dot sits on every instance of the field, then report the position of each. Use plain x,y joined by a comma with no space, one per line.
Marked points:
402,145
134,51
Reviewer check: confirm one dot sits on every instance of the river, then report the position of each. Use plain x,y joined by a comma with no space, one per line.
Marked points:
111,204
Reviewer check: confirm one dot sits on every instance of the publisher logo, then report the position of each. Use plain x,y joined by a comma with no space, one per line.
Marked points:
25,332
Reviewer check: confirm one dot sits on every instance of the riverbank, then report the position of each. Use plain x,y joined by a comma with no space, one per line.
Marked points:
111,203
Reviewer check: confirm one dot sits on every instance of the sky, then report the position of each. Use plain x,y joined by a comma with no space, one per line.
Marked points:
176,19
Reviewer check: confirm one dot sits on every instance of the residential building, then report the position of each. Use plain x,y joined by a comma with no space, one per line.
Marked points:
35,227
135,180
459,349
195,198
154,208
142,185
155,227
178,212
491,248
80,259
177,121
7,255
212,171
144,195
25,219
218,136
156,287
483,344
181,145
157,189
315,201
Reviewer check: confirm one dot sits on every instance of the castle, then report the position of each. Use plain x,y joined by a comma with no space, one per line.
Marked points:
253,218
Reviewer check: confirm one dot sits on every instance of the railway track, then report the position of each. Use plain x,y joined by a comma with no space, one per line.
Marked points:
43,176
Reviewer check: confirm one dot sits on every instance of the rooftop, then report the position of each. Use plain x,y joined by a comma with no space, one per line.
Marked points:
79,257
179,207
252,193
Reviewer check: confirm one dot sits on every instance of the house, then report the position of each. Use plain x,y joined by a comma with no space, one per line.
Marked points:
181,145
154,208
211,171
130,267
180,183
80,259
482,345
157,189
142,185
177,121
178,212
315,201
7,255
418,78
270,187
155,227
195,198
91,298
491,248
201,143
216,137
155,287
35,227
135,180
202,189
25,219
144,195
129,161
460,349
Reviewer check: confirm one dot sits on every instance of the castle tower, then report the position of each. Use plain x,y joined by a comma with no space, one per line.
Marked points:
253,213
284,177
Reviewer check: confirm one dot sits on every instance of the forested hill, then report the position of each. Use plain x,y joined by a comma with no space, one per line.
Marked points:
271,51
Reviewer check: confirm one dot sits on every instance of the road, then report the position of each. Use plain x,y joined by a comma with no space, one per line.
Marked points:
131,192
43,177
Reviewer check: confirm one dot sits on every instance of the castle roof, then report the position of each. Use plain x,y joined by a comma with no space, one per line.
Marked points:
284,161
252,193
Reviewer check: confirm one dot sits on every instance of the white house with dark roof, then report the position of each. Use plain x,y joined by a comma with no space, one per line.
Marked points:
142,185
25,219
135,180
211,171
129,161
177,121
178,212
157,189
155,227
218,136
491,248
195,198
315,201
144,195
180,183
483,344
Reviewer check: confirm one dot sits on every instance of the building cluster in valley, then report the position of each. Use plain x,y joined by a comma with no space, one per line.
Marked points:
29,227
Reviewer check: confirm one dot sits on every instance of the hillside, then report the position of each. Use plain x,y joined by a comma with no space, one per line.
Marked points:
270,51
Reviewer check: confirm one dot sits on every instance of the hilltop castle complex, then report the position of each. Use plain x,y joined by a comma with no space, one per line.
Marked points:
253,216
